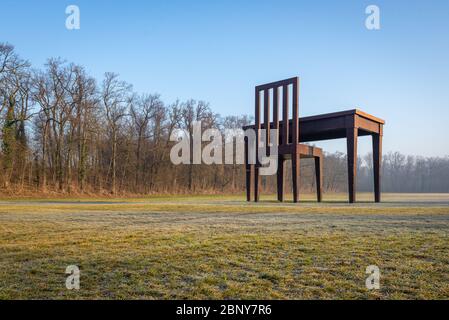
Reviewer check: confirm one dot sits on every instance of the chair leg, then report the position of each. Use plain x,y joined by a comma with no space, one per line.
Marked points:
280,178
249,172
295,176
249,181
319,178
256,183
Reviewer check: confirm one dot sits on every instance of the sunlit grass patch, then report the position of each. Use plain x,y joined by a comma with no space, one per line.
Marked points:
224,248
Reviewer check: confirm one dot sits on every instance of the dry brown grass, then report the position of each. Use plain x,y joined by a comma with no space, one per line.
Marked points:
221,247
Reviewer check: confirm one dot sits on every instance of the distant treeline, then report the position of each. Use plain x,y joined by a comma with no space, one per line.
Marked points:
62,131
400,173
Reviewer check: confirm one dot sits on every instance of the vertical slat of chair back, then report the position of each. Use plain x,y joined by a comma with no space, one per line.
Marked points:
257,119
276,113
285,115
282,137
266,119
295,120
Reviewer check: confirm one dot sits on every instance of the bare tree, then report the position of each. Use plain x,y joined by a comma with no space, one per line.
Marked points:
84,96
116,98
193,111
144,109
15,99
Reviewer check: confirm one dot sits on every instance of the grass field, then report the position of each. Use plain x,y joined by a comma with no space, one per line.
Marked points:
220,247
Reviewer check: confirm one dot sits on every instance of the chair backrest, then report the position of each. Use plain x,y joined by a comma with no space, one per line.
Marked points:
280,89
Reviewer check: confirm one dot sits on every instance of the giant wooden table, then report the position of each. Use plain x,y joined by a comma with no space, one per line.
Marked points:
348,124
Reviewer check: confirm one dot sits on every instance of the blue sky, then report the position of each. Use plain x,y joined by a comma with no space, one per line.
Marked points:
219,50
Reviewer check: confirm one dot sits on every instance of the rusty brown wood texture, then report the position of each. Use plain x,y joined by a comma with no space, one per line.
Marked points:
349,124
289,147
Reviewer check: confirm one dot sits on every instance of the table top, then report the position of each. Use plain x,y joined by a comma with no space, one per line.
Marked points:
358,112
344,113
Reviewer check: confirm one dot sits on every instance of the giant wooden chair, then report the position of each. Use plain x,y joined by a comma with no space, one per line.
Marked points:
288,136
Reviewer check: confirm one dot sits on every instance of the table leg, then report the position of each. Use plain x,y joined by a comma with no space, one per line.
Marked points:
351,141
319,178
377,163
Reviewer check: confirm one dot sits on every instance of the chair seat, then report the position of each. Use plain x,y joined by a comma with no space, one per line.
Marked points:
304,150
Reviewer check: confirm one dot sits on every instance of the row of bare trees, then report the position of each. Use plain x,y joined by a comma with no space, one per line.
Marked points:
62,131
